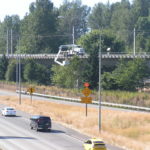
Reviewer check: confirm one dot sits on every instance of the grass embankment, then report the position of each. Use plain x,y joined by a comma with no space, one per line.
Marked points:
128,129
121,97
130,98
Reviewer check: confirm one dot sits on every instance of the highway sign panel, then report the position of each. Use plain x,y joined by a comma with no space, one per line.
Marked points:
86,91
86,100
31,90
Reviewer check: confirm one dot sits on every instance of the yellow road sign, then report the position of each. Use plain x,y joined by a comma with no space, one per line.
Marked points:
31,90
86,91
86,100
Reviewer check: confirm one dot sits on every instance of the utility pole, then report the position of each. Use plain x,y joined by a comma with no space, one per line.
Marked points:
134,42
19,80
19,73
73,38
11,42
7,51
17,64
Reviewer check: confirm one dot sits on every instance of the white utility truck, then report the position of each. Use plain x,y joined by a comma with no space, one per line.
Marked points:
68,50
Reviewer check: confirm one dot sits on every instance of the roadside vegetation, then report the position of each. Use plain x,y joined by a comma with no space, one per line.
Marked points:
116,96
129,130
45,28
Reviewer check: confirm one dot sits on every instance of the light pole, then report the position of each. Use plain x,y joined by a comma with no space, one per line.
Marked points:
7,44
19,76
73,38
11,41
18,72
99,91
134,42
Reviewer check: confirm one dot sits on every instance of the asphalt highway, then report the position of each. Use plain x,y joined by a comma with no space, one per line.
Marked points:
15,134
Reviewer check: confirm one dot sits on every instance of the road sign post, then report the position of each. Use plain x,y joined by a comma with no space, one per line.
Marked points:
86,99
31,91
31,98
86,110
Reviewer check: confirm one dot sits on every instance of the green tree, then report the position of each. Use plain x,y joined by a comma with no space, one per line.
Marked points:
2,39
108,81
127,76
29,72
121,22
10,24
91,71
131,75
91,43
38,28
142,36
11,71
73,14
3,67
140,20
36,73
100,16
69,76
140,8
59,75
42,75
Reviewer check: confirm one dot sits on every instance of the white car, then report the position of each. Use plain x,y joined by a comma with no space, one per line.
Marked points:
8,111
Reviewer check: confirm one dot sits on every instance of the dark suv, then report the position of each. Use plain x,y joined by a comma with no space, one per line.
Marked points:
40,123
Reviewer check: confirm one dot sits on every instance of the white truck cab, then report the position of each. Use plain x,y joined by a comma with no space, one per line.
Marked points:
79,50
72,49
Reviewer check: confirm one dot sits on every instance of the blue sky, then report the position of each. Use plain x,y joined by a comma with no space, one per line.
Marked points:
21,7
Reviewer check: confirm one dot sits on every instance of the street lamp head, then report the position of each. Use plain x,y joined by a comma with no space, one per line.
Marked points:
108,49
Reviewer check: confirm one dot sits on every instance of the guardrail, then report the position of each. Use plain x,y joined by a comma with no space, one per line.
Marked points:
93,102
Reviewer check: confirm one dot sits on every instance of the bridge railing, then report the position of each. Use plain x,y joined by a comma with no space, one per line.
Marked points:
104,55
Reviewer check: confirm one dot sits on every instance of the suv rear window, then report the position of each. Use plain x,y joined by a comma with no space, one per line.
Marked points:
44,119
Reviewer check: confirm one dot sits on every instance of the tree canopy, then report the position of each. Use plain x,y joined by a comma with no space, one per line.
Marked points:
127,76
68,76
38,28
45,28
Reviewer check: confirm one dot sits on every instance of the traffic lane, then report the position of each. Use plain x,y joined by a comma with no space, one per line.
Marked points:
4,92
16,134
111,147
20,139
83,137
16,131
64,135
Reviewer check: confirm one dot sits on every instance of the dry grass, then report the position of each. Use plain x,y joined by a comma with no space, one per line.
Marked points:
127,129
121,97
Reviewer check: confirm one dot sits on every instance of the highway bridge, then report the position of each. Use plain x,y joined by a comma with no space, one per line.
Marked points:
104,56
108,59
